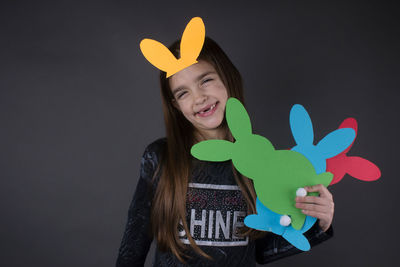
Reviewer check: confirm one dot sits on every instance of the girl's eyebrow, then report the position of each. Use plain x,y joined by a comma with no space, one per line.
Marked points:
176,90
198,78
201,76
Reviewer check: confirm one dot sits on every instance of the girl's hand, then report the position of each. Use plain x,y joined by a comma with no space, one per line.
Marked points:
320,207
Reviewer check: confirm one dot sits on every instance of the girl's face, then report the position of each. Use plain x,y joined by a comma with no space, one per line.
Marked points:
200,95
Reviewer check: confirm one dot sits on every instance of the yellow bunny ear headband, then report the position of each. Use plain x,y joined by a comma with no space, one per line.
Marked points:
191,44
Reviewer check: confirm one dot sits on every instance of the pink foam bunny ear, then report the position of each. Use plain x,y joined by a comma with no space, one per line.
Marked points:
349,123
362,169
337,166
356,167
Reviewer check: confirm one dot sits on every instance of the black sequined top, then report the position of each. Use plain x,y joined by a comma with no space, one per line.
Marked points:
215,209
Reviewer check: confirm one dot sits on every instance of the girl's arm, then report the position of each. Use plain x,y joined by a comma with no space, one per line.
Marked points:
273,247
137,236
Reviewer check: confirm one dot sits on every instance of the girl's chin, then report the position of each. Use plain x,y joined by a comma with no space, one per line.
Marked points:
210,126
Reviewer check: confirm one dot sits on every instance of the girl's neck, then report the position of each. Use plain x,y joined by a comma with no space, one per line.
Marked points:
220,133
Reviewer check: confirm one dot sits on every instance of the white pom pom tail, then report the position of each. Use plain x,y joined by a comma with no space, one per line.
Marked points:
285,220
301,192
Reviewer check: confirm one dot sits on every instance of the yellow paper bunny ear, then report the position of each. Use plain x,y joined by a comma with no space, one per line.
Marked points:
191,44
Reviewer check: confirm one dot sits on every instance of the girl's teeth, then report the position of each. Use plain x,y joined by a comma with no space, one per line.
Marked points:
213,106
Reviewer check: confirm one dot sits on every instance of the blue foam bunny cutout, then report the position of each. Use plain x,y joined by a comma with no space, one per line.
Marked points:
331,145
267,220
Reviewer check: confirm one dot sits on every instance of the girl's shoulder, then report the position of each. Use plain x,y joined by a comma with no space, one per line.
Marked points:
156,148
151,158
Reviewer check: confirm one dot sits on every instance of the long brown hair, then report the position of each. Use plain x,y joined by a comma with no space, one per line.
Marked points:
169,205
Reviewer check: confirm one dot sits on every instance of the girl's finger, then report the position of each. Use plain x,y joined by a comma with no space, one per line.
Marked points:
316,214
312,207
321,189
313,200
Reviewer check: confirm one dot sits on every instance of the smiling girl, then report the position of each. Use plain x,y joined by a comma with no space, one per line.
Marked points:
193,209
200,95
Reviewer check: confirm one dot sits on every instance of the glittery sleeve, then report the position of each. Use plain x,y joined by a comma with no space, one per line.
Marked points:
137,237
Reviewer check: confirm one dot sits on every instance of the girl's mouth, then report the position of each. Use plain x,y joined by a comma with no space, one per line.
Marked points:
209,111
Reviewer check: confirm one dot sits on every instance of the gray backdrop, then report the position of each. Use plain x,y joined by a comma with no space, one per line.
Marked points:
79,103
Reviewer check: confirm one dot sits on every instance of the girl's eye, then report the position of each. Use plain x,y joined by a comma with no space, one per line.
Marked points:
206,80
181,94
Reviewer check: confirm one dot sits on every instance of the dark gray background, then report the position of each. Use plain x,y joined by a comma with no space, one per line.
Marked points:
79,103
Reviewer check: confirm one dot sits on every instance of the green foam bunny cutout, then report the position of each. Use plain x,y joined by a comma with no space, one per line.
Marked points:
276,174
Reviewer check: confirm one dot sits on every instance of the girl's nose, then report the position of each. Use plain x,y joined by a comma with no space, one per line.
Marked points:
200,98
